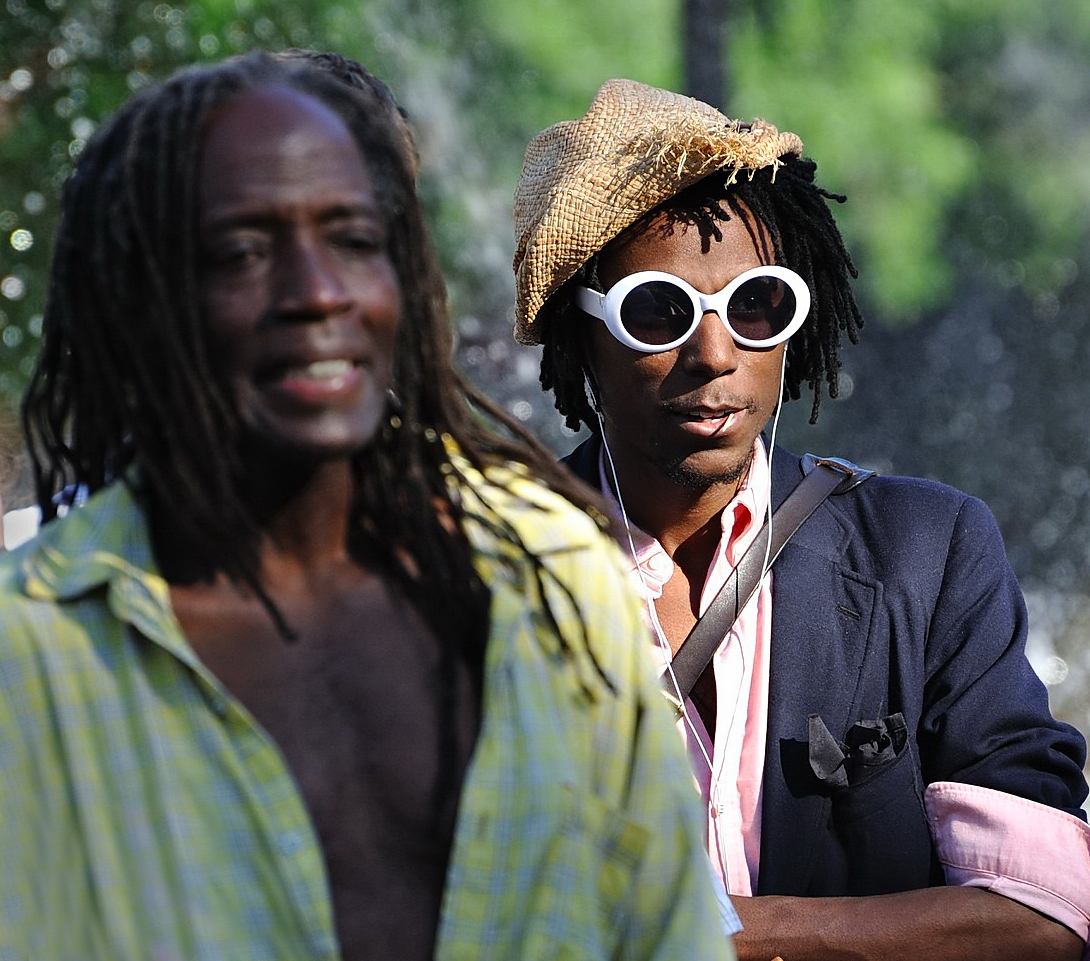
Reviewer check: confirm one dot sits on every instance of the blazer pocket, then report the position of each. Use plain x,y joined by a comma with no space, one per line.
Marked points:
878,815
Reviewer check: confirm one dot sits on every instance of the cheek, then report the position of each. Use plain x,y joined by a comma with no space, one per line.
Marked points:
625,377
227,313
767,374
387,327
378,294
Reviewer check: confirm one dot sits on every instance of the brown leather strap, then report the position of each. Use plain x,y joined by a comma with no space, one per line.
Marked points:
824,476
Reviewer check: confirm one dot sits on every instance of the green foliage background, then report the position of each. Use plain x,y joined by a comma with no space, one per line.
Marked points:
947,121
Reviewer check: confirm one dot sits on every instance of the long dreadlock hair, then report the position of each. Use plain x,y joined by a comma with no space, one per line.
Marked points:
795,214
123,379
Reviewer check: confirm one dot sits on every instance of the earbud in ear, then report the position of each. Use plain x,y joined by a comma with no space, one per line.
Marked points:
592,389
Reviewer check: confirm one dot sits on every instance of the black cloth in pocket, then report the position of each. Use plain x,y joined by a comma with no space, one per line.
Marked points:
878,819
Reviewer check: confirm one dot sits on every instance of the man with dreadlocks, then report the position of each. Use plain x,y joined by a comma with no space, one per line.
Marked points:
313,673
881,773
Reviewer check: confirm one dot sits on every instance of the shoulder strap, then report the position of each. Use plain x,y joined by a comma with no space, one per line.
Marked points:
822,476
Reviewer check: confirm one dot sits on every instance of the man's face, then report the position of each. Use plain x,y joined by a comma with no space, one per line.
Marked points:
692,413
300,299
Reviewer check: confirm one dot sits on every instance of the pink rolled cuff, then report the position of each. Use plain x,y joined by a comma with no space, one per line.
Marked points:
1026,851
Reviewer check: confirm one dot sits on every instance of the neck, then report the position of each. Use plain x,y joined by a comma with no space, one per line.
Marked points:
684,519
301,524
305,518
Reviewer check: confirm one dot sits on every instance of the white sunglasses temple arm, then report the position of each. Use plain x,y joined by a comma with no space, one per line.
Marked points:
591,301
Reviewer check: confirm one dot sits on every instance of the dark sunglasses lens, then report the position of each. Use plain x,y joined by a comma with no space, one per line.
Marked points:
761,308
656,313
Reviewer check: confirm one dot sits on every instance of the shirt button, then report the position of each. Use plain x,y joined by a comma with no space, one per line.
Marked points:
218,703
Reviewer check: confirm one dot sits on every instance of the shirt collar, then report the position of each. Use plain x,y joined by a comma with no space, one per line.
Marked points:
740,522
104,545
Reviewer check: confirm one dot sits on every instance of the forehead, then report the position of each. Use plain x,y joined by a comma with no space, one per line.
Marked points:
679,242
274,137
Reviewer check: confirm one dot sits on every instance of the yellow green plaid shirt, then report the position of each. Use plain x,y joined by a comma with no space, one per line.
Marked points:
145,816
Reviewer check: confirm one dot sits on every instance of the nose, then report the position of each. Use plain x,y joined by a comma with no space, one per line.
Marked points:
711,350
309,281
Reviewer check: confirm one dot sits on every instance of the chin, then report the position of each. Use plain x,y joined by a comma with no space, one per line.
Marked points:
700,472
315,446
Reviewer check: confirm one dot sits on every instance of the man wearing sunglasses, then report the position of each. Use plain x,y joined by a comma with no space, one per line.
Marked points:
882,775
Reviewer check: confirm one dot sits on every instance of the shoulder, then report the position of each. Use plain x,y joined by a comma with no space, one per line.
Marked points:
885,507
913,505
913,514
73,556
544,520
912,534
890,493
542,530
540,552
911,495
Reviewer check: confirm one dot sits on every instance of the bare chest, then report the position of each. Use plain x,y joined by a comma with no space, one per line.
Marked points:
676,609
377,720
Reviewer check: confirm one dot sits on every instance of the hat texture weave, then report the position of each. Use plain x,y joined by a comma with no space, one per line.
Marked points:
584,181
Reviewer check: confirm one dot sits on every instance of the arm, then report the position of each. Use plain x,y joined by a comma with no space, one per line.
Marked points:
939,924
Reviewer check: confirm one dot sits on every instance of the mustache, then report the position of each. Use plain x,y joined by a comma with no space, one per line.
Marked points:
694,402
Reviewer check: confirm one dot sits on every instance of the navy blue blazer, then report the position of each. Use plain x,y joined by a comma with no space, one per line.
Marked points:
897,660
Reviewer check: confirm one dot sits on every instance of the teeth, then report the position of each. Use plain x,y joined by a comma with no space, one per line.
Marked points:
323,369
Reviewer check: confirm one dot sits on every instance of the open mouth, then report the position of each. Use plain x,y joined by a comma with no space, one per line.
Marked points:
329,370
317,381
708,423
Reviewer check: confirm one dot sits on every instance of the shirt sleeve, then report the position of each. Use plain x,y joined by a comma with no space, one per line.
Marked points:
1026,851
678,908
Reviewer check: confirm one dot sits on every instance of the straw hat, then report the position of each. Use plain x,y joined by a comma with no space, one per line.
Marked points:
584,181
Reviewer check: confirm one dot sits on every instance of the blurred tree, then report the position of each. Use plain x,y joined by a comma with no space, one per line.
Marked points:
922,111
705,50
63,67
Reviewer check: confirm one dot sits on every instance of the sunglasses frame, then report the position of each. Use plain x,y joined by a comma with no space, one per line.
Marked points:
607,307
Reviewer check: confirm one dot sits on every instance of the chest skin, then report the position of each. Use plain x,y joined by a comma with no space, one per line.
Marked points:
676,610
377,726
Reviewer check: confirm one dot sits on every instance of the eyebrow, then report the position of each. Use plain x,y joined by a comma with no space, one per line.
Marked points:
242,216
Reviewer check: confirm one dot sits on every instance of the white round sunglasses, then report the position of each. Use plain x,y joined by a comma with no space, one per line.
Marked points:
652,311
